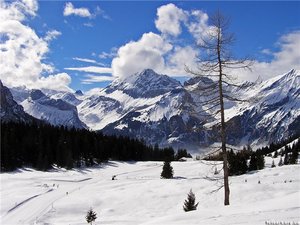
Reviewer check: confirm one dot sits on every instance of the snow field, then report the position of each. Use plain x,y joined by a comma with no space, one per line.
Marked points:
139,196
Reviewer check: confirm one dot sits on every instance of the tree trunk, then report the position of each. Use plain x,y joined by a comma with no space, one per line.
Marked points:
223,128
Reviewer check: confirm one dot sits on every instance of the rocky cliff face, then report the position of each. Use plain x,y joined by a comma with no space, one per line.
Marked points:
9,108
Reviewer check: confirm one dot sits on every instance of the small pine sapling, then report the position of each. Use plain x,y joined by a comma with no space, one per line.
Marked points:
167,171
273,164
91,216
189,203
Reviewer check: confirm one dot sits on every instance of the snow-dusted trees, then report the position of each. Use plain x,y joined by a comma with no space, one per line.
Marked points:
167,171
190,203
216,63
91,216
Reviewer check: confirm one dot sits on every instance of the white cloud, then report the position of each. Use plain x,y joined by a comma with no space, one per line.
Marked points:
52,34
89,61
137,55
107,55
91,69
59,81
181,57
169,18
159,51
18,10
89,79
88,24
22,52
266,51
198,25
285,59
70,10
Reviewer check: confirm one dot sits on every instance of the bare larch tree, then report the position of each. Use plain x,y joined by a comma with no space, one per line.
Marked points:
217,63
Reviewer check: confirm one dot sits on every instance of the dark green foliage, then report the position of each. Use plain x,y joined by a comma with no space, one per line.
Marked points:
167,171
280,162
273,164
294,155
257,162
41,145
275,146
91,216
190,203
286,158
253,162
260,162
238,162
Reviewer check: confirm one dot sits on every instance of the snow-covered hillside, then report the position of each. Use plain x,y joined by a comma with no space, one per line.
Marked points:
53,107
271,115
139,196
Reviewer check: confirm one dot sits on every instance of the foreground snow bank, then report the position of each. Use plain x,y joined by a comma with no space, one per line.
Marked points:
139,196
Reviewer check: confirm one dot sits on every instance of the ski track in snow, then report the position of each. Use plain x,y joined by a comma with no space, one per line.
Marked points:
139,196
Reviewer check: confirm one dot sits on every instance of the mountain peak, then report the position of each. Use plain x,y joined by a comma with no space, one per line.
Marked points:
79,92
36,94
146,83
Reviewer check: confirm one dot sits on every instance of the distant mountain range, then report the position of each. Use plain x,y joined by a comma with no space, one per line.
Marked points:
160,110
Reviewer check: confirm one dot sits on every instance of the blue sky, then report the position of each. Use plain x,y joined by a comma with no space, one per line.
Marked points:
81,34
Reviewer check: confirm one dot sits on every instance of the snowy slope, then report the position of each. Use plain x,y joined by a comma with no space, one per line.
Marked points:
272,114
55,111
147,106
139,196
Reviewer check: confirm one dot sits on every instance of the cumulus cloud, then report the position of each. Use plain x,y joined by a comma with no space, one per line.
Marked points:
22,51
137,55
159,51
71,10
286,58
91,69
169,18
198,25
59,81
181,57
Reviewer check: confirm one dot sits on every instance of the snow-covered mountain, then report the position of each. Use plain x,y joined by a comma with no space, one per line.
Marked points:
160,110
272,114
59,109
147,106
9,108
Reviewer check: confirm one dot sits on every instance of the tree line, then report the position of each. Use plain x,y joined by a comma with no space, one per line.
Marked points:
240,162
41,146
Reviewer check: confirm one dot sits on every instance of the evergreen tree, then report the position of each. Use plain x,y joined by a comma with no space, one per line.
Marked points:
91,216
280,162
286,158
294,156
167,171
260,162
275,154
253,163
273,164
189,203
